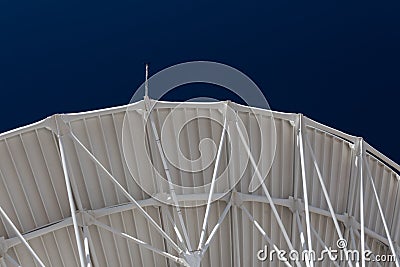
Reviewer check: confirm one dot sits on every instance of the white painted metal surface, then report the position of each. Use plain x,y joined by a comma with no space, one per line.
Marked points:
68,196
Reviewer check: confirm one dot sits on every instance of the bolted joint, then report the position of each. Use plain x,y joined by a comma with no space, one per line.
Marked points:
62,127
236,199
359,147
147,103
192,259
57,125
299,123
85,218
230,113
296,204
349,221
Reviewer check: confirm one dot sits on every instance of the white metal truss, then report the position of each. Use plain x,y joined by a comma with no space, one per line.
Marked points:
362,219
140,242
263,233
126,193
324,190
21,237
214,176
50,208
322,243
72,205
353,242
392,248
305,190
168,175
265,190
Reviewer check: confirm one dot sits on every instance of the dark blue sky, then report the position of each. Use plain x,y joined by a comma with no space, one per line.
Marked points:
337,63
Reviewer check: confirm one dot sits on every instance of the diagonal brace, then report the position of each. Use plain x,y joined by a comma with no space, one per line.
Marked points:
126,193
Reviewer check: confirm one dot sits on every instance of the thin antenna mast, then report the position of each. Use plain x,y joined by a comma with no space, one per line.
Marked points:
146,83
